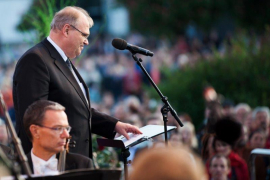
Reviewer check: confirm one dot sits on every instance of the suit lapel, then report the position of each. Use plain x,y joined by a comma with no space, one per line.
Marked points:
61,65
84,85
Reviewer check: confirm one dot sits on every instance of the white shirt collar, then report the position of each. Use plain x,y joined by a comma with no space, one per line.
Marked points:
38,165
59,50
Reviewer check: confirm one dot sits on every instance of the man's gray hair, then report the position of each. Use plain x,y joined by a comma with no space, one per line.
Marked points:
69,15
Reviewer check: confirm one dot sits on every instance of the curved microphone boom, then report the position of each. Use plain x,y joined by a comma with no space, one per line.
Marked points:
122,45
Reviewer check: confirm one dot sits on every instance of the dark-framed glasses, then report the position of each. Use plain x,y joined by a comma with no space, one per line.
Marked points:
59,129
83,34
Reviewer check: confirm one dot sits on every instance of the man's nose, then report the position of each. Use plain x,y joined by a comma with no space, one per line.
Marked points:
65,133
86,42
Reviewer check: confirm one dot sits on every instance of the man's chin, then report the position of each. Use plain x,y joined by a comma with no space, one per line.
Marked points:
78,53
60,149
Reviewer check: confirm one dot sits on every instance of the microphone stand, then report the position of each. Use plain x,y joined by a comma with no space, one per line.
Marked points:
167,107
125,154
16,140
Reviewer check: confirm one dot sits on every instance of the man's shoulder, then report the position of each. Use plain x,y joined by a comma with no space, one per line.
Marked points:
39,48
77,161
34,52
35,55
77,156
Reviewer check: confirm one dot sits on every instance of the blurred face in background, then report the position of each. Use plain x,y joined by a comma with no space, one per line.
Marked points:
175,139
257,140
241,115
186,136
262,121
219,168
222,148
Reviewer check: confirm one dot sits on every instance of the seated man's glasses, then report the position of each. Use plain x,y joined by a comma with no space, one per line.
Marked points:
58,129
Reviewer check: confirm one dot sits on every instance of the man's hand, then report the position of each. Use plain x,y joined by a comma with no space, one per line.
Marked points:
124,129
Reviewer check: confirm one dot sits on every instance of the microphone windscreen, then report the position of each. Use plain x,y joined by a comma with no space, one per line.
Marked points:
119,44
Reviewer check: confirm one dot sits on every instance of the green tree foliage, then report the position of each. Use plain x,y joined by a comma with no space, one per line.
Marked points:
242,76
170,17
104,157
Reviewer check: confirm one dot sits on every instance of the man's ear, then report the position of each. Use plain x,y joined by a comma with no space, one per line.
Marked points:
34,131
65,30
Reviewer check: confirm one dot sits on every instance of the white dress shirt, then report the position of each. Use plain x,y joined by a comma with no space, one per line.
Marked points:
42,167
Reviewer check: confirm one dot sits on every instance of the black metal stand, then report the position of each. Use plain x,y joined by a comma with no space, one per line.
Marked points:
16,141
167,107
125,153
164,112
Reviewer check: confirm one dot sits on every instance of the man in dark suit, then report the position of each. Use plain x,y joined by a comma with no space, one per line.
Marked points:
47,127
45,72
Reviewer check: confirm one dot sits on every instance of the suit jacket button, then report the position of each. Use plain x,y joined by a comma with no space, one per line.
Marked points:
87,140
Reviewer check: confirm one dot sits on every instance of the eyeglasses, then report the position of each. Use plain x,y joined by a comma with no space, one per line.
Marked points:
83,34
59,129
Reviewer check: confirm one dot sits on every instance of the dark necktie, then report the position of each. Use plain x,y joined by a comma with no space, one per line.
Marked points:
68,62
74,74
69,65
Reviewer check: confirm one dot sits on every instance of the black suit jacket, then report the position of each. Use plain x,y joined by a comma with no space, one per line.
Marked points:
41,73
73,161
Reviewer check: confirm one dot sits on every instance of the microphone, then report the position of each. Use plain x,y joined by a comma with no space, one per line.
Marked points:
122,45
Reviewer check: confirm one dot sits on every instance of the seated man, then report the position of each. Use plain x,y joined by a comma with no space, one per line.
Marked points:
46,125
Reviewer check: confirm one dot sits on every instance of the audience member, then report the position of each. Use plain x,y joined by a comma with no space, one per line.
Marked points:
228,131
257,139
188,137
261,118
162,163
241,111
261,121
220,167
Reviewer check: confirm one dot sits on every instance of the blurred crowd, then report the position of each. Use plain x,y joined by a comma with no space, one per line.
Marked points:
116,88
